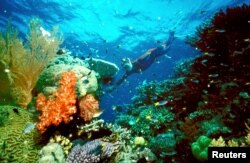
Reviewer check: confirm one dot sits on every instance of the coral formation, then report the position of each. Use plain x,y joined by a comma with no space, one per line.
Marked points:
103,68
63,141
59,108
51,153
94,125
25,62
226,33
200,148
86,78
88,106
93,151
15,145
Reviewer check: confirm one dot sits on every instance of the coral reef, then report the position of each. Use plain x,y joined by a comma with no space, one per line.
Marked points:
209,97
25,62
88,106
15,144
60,108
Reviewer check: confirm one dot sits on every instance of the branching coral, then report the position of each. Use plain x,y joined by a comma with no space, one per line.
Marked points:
92,151
89,106
25,62
58,109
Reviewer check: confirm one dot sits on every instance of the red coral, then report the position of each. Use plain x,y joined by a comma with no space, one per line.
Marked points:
61,107
89,106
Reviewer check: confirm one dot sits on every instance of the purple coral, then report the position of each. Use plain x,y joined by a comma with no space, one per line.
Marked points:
92,151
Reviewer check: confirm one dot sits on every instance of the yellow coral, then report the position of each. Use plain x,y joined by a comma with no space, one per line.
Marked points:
63,141
248,139
220,142
24,63
232,143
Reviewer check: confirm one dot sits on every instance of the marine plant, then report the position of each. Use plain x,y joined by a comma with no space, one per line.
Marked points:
24,61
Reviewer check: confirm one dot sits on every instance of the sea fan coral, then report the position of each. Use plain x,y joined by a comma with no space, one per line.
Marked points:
89,106
25,62
61,107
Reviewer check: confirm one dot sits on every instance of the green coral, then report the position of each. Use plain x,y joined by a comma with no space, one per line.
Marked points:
4,115
15,145
164,144
200,148
151,120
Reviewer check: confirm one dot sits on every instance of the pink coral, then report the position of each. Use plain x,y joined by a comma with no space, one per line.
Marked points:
59,108
89,107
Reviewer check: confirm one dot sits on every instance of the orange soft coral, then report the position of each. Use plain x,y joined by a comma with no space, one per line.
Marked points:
89,107
61,107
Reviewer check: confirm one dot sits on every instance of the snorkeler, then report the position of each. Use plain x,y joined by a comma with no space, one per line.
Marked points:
145,60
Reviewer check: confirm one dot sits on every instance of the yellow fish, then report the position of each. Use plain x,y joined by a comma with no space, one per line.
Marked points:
161,103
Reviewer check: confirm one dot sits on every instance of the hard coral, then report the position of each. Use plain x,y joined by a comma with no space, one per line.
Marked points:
89,106
61,107
17,145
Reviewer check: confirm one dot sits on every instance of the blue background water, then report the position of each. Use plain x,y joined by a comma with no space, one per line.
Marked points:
114,29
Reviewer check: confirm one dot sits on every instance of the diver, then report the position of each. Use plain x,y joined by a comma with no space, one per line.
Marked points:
145,60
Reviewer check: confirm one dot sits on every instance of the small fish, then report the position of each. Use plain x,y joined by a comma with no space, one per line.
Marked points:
89,72
148,117
61,51
106,51
195,81
167,56
247,40
89,135
7,70
209,54
97,114
29,127
15,110
213,75
117,108
131,122
161,103
220,30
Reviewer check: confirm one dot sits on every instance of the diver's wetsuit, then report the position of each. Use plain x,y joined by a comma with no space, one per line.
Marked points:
148,58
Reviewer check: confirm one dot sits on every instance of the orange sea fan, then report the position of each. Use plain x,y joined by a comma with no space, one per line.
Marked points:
59,108
89,107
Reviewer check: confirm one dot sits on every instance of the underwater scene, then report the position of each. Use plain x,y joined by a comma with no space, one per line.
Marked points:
115,81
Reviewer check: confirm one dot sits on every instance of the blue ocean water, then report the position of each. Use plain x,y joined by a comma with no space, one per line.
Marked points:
114,29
